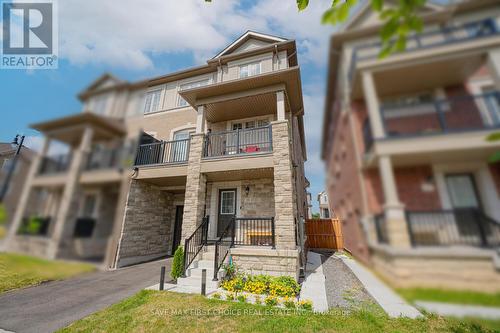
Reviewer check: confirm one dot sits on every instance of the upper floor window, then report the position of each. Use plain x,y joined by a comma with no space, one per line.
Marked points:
250,69
190,85
99,104
152,103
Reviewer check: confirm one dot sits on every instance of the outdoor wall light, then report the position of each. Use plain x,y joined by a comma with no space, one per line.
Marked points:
247,190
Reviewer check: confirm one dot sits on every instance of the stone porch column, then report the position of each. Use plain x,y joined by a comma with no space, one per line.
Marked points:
283,187
194,200
25,195
68,208
372,104
393,209
494,66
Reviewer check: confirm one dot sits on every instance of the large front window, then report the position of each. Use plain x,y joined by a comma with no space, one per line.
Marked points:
152,103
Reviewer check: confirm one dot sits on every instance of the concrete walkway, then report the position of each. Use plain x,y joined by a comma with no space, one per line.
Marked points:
460,310
313,287
55,305
392,303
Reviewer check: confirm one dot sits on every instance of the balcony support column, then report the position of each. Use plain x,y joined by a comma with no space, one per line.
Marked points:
194,200
69,205
372,105
494,66
280,105
394,212
25,195
200,120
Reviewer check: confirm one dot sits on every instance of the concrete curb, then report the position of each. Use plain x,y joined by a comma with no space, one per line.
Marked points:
460,310
390,302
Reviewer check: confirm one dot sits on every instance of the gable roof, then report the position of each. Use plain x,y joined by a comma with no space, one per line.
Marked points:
365,8
246,37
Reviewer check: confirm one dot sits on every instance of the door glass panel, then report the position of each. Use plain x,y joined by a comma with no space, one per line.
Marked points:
462,191
227,202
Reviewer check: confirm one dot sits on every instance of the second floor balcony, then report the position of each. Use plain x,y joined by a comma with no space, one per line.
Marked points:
438,116
238,142
55,164
163,152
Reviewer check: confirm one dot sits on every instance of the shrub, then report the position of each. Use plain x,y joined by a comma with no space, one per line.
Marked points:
289,282
177,263
216,296
279,290
305,305
271,301
289,303
255,287
230,270
230,296
258,300
241,298
3,215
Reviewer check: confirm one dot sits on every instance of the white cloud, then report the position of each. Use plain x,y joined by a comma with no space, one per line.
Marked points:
125,33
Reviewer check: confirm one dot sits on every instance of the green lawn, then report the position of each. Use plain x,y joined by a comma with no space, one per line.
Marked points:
19,271
154,311
450,296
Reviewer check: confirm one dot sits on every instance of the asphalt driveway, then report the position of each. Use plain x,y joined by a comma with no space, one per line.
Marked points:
55,305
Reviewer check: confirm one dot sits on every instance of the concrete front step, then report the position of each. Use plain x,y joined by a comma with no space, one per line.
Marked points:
194,281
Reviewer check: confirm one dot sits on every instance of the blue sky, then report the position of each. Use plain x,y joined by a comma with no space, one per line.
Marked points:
139,39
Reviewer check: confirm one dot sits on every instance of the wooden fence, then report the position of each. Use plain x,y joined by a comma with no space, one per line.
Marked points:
324,234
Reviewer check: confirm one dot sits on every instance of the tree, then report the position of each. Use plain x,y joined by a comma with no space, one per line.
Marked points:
315,216
399,20
495,158
3,214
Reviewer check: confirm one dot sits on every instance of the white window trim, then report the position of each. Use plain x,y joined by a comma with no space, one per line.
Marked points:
160,88
189,126
208,78
229,125
259,62
234,208
476,88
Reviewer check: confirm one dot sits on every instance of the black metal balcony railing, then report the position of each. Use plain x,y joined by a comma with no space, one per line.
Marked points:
460,113
105,158
437,37
457,227
55,164
242,141
163,152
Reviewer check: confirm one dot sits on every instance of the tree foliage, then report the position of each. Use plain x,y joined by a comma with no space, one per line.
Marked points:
399,20
3,214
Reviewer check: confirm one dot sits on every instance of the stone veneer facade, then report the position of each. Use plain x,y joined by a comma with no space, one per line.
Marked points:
146,230
196,183
285,208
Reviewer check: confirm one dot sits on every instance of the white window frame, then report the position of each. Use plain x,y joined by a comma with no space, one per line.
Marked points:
247,66
189,85
243,122
222,201
149,109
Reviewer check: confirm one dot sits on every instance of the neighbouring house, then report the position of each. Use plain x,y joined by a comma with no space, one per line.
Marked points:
211,157
404,141
324,206
15,184
309,205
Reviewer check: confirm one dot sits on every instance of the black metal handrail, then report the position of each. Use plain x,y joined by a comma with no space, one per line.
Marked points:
55,164
464,226
163,152
428,39
222,246
194,243
240,141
